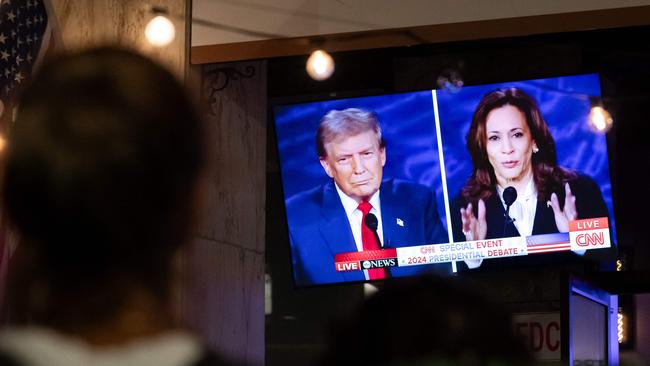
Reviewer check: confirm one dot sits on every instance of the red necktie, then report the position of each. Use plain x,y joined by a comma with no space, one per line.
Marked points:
370,241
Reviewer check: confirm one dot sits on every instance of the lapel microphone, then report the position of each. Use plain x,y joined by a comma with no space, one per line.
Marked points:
509,197
372,223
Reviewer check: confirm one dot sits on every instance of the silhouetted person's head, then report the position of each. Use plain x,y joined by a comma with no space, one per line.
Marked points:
426,321
101,169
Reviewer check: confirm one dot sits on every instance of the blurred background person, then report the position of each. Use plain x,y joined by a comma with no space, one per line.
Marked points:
101,181
426,321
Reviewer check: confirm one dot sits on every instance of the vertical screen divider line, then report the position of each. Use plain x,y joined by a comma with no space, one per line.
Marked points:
443,174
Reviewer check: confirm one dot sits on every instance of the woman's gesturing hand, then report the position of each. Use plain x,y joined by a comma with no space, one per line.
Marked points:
567,214
474,228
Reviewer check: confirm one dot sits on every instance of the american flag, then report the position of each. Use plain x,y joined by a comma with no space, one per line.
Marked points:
24,39
23,25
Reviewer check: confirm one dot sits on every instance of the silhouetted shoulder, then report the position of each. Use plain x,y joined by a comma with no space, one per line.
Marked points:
6,360
208,358
211,358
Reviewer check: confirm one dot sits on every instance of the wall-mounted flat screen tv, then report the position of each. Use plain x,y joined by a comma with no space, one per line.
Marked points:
444,180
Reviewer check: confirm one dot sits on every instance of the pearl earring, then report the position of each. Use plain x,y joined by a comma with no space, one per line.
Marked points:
535,150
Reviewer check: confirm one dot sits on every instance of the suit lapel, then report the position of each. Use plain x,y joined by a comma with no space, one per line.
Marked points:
496,218
394,217
543,223
544,219
335,229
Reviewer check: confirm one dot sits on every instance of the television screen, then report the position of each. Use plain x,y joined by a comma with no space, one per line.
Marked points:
441,180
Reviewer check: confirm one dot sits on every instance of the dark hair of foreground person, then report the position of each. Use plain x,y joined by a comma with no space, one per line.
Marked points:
101,183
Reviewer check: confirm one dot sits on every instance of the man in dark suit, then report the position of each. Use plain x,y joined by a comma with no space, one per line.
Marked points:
329,219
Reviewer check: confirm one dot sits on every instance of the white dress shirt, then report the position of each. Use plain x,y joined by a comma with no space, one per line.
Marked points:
355,216
523,209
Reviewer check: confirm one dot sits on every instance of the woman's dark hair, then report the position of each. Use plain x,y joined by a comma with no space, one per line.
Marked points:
547,175
101,167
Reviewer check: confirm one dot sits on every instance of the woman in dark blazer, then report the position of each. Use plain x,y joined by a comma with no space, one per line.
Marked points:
511,146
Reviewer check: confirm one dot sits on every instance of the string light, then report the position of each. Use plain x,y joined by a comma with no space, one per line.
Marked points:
160,31
320,65
621,326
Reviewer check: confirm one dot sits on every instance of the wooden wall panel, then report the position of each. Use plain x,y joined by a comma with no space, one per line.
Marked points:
223,293
230,313
87,23
236,121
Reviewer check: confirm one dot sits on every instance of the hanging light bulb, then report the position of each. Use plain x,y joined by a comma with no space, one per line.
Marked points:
599,119
160,31
320,65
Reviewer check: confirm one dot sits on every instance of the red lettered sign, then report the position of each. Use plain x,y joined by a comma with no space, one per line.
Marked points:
542,333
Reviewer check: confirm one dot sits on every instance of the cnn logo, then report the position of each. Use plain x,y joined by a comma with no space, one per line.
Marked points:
593,239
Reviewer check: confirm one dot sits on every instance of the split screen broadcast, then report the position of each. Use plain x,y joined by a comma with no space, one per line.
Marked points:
441,181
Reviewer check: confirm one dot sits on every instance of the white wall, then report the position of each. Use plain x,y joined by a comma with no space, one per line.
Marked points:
294,18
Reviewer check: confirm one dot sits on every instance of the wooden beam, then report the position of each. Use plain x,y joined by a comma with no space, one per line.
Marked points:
511,27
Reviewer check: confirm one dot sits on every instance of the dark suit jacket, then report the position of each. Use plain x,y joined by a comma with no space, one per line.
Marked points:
319,229
589,204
